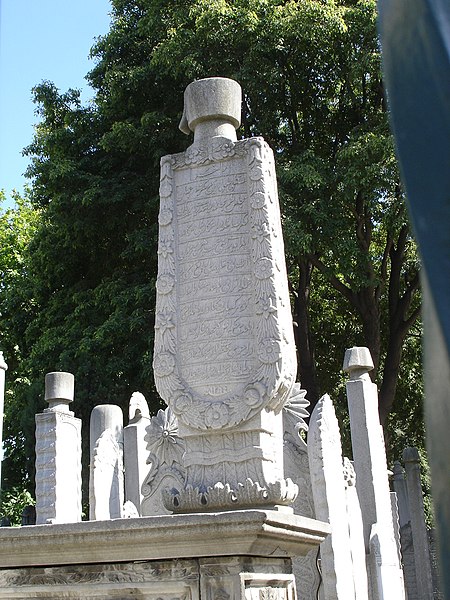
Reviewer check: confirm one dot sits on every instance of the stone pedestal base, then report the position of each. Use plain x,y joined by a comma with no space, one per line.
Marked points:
240,555
240,578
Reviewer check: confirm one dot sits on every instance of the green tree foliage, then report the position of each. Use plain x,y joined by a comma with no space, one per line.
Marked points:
310,72
17,227
12,503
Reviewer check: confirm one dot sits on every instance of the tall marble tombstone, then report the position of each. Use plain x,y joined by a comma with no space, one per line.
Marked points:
421,542
330,501
58,454
224,356
369,454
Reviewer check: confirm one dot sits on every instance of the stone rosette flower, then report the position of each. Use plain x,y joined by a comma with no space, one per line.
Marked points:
216,415
192,155
226,149
182,403
254,394
162,438
165,284
258,200
269,351
163,364
263,268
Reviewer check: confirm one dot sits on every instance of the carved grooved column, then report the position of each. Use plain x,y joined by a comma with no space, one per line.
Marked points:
419,531
3,369
58,454
224,355
372,484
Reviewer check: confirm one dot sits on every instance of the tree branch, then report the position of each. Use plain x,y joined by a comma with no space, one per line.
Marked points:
335,282
412,319
383,267
396,255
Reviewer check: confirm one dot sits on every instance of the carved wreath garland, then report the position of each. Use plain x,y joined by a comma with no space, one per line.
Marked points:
275,370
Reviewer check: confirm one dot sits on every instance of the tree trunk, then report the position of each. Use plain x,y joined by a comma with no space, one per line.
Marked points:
302,332
370,316
386,394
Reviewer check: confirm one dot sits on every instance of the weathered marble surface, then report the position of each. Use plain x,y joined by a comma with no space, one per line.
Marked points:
58,454
419,530
167,580
296,467
106,478
135,450
237,578
165,468
224,357
231,533
330,502
369,454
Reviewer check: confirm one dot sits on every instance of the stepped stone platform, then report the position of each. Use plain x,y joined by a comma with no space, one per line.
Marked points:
241,554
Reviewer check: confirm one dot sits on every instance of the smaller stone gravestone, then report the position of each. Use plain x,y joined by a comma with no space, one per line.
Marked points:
58,454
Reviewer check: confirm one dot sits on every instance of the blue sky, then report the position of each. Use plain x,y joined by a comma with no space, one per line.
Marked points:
41,40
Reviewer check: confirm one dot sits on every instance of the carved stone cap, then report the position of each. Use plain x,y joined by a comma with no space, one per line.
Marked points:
212,107
398,471
411,455
59,388
138,408
358,362
3,364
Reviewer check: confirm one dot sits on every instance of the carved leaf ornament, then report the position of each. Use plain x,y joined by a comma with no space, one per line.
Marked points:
232,286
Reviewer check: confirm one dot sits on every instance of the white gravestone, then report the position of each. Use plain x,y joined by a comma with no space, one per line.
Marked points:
356,532
106,488
135,454
58,454
419,530
330,502
3,369
369,455
224,357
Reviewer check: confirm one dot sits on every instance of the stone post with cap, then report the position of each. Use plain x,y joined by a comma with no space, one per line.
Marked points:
58,454
372,483
3,368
